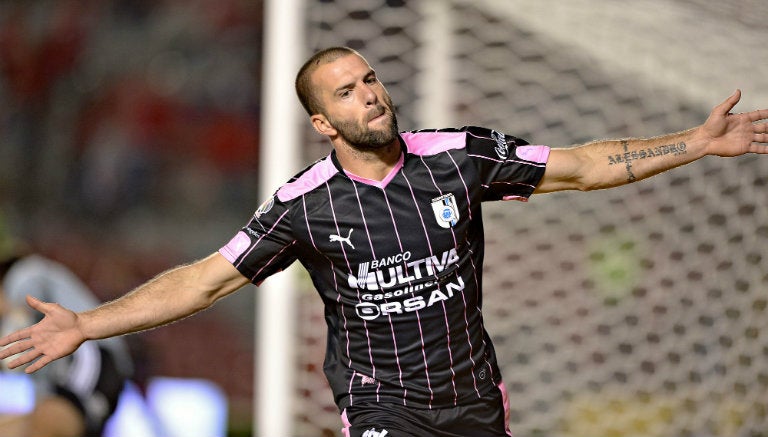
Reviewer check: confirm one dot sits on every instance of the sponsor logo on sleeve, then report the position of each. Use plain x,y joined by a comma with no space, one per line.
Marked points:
501,149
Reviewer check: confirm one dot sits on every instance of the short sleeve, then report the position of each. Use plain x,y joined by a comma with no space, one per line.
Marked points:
509,167
264,246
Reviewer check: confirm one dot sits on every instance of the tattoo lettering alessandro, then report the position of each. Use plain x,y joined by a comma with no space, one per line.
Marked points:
628,157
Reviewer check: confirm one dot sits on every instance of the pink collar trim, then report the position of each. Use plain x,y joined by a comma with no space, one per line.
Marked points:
383,183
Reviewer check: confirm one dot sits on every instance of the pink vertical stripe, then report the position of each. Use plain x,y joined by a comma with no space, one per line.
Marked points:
505,401
474,273
418,317
389,316
445,311
365,324
345,422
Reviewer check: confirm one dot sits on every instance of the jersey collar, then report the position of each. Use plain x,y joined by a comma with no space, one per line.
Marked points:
380,184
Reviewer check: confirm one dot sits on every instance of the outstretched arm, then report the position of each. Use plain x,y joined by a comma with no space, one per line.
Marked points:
610,163
171,296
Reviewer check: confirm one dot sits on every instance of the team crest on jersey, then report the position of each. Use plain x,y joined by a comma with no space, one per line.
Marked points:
446,211
265,207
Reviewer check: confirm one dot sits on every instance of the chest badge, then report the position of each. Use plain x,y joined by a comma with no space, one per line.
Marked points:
446,211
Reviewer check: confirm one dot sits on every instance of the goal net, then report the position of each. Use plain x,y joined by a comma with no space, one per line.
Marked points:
636,311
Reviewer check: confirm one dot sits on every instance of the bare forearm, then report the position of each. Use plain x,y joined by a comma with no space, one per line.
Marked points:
170,296
605,164
160,301
619,162
610,163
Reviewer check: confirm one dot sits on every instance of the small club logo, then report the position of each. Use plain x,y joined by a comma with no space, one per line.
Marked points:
446,211
265,207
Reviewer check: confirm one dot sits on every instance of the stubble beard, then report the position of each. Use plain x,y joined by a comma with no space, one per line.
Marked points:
360,137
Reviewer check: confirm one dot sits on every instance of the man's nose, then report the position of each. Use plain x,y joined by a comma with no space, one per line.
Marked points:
369,95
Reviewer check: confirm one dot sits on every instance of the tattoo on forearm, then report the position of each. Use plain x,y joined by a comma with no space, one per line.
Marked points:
628,162
628,157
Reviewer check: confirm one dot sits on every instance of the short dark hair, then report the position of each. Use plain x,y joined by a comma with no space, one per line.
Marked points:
304,88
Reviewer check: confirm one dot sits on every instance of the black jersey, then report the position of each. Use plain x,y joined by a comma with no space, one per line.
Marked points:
397,262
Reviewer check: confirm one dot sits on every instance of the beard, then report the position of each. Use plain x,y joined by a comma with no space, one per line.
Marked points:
361,137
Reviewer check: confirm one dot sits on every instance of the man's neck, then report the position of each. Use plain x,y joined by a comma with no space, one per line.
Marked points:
373,164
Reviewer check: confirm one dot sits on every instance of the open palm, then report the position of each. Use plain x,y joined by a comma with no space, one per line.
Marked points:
56,336
735,134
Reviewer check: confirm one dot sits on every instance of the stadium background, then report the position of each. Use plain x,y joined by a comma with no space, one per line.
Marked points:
129,143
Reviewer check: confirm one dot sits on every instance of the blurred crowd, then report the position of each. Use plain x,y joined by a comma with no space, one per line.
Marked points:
129,133
122,113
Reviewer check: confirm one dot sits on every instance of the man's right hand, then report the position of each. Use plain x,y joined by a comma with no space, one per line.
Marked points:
54,337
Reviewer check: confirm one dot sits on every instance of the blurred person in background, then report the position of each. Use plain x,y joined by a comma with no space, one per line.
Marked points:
76,396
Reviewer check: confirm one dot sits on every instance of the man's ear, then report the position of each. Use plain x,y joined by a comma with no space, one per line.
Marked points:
322,125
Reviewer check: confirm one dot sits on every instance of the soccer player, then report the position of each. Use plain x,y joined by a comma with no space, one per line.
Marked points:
74,396
389,226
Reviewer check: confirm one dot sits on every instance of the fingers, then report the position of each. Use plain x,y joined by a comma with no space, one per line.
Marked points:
39,364
758,147
27,357
728,104
16,348
27,351
759,131
20,343
26,354
36,304
15,336
760,114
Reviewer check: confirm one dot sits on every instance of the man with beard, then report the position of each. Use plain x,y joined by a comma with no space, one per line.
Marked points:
389,226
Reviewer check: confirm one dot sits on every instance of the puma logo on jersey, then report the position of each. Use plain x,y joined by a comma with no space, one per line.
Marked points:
343,240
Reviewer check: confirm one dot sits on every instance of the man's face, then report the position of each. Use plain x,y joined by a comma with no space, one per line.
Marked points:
356,104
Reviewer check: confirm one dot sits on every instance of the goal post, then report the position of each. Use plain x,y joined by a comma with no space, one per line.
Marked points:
280,159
